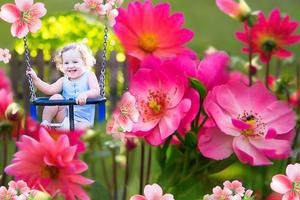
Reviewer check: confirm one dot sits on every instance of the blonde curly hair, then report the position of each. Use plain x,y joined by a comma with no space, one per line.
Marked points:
85,52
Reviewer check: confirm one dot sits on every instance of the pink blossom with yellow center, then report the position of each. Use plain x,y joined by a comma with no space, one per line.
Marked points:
250,121
24,16
146,29
153,192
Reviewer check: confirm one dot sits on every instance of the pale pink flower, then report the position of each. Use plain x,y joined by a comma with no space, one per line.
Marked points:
20,187
111,16
250,121
153,192
248,193
93,6
288,186
7,193
233,9
235,187
160,100
24,16
4,55
50,164
219,193
126,114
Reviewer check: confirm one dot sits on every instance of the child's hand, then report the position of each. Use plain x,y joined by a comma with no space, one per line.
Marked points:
81,99
32,74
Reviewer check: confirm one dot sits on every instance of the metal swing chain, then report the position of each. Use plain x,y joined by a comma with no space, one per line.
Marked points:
103,64
28,67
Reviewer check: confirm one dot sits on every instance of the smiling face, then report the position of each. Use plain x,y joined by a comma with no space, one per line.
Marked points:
73,64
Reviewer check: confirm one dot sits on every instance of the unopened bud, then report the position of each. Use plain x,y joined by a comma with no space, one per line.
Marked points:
13,112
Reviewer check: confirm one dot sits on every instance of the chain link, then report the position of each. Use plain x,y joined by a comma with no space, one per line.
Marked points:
28,67
103,64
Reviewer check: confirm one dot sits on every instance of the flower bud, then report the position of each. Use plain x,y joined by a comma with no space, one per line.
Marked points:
13,112
240,11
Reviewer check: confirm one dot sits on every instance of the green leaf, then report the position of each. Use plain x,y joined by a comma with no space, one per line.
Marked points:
197,85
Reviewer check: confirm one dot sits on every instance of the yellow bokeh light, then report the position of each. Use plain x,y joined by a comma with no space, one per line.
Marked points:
120,57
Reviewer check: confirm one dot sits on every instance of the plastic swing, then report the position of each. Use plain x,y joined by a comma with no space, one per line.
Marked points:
44,101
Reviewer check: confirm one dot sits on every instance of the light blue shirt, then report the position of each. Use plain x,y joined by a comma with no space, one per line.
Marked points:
73,88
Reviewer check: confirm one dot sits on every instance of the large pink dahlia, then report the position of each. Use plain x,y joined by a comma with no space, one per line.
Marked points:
250,121
51,165
270,36
146,29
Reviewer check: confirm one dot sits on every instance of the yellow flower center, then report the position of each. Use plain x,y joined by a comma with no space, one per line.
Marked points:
148,42
51,172
154,106
26,16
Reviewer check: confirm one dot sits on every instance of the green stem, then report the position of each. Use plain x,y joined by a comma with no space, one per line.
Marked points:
149,164
115,181
250,57
142,166
202,124
5,154
126,178
180,138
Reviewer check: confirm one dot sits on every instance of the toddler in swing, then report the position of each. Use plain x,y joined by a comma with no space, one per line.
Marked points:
78,82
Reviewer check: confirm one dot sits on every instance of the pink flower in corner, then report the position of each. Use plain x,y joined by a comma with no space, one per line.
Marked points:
153,192
160,100
50,164
250,121
146,29
288,186
94,6
4,55
24,16
20,187
219,193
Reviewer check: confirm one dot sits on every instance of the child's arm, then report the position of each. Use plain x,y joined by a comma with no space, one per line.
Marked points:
93,92
48,89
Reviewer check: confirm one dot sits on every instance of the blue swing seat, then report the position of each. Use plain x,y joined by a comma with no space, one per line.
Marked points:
44,101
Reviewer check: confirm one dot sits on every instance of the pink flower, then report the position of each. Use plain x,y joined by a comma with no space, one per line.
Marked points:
7,193
213,69
4,81
160,101
6,100
235,10
50,164
20,187
145,29
250,121
219,193
126,112
4,55
153,192
236,188
94,6
24,16
269,36
288,186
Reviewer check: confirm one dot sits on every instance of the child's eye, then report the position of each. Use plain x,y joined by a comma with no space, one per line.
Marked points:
66,63
75,62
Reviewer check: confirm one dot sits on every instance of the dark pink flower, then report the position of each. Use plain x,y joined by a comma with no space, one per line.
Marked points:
146,29
50,164
270,36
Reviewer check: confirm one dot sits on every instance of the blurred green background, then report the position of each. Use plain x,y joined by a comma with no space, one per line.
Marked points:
211,27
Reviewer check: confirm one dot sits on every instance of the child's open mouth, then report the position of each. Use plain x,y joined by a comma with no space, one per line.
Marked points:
72,70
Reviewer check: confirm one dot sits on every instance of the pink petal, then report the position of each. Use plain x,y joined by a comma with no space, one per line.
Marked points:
281,184
214,144
10,13
229,7
282,53
153,192
80,179
247,153
291,195
19,29
293,172
273,148
271,134
24,5
38,10
137,197
171,119
167,197
154,138
240,124
34,25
